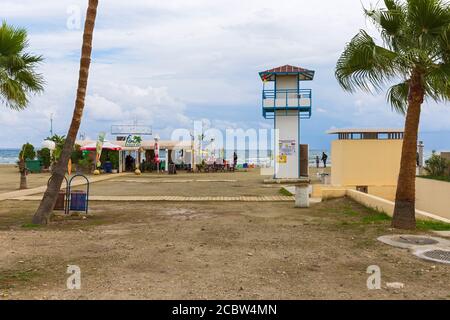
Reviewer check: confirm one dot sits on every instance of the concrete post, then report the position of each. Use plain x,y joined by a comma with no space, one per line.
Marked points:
166,167
302,195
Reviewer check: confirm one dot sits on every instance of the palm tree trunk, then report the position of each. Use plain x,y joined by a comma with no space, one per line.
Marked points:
404,211
23,174
48,201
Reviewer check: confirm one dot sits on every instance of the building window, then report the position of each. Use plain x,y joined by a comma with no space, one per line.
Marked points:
364,189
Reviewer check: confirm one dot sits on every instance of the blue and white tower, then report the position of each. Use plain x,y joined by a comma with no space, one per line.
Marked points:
286,103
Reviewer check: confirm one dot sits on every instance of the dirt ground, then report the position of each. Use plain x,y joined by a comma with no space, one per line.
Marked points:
229,250
187,184
10,178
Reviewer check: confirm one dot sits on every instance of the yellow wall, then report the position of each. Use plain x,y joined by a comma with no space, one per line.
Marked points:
372,163
433,196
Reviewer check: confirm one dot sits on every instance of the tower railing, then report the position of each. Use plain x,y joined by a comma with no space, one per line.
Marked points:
287,99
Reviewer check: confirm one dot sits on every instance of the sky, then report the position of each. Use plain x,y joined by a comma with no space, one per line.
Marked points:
168,63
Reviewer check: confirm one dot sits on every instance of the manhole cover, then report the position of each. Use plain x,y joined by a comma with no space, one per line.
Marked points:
418,241
437,255
409,241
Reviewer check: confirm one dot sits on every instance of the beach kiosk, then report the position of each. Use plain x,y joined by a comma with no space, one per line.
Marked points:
284,101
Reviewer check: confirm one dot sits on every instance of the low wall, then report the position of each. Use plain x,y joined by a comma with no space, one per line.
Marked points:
387,206
326,191
433,196
329,191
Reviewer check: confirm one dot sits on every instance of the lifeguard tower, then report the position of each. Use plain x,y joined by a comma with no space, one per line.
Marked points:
286,103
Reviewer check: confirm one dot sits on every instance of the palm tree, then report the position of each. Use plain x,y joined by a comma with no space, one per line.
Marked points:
18,77
415,51
48,201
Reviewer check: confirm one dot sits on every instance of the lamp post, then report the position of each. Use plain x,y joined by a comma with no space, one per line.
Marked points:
192,151
157,152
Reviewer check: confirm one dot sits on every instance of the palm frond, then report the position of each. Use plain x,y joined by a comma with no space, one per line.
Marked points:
364,65
437,82
18,76
397,97
389,21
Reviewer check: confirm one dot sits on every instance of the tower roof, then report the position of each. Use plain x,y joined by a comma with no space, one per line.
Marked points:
304,74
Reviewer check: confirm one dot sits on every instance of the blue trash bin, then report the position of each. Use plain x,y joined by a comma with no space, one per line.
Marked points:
107,167
78,200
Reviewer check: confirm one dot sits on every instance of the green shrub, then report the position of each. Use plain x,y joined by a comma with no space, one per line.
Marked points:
44,156
77,154
114,158
27,152
85,164
436,165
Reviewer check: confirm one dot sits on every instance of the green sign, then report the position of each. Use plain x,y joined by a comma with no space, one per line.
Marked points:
133,141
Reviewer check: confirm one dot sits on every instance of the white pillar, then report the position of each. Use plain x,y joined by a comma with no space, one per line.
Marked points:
166,168
302,196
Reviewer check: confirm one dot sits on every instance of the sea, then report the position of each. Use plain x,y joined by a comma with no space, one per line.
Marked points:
9,156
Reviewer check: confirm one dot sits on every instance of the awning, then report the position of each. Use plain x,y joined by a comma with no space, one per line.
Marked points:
106,146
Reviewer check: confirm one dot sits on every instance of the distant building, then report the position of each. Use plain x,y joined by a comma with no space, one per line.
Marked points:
367,160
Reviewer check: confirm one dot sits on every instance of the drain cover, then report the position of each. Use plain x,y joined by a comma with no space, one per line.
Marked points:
409,241
418,241
437,255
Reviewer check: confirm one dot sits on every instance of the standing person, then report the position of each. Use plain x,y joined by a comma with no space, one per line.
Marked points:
235,158
324,159
317,162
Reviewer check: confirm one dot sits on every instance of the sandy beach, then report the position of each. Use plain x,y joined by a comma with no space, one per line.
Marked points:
10,178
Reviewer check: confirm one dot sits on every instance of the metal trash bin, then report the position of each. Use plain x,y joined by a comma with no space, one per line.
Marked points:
78,200
107,167
34,166
60,204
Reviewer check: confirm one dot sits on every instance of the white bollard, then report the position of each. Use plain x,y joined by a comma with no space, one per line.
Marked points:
302,196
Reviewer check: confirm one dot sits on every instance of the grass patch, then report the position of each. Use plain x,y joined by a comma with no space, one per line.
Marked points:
432,225
285,192
31,226
440,178
376,217
350,212
12,278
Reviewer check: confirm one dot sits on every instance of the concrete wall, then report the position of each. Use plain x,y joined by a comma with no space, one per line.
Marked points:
322,191
372,163
387,206
433,196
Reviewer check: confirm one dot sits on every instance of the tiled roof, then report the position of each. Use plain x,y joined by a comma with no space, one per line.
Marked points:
304,74
286,69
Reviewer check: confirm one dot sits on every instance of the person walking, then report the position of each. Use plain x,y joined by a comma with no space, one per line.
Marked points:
324,159
235,158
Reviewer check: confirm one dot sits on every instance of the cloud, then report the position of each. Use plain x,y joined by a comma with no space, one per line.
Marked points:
167,63
101,109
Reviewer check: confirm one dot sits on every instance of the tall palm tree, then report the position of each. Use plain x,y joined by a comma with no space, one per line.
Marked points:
48,201
415,51
18,77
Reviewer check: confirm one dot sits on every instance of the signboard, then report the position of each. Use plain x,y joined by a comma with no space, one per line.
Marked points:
282,158
133,141
287,147
132,129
